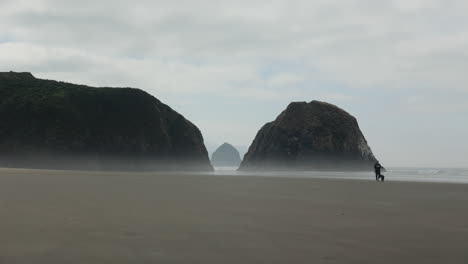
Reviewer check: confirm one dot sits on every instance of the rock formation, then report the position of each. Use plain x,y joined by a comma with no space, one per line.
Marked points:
50,124
226,156
310,136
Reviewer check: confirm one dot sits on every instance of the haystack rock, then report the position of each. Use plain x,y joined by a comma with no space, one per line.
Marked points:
50,124
226,156
310,136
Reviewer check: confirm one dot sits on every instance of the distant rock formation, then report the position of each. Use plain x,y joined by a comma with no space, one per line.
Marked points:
310,136
226,156
50,124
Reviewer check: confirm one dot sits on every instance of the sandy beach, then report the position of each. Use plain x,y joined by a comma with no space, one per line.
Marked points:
58,217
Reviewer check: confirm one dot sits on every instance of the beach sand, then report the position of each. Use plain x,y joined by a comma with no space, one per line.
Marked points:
58,217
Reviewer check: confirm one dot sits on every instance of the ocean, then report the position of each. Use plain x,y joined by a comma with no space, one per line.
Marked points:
447,175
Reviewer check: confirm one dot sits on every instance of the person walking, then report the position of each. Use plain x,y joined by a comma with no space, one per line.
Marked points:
378,171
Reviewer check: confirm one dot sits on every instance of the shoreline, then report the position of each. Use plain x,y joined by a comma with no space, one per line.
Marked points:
327,175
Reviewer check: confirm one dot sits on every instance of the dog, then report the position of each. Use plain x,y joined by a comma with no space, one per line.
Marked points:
381,177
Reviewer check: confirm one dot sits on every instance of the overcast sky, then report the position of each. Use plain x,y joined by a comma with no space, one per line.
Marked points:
399,66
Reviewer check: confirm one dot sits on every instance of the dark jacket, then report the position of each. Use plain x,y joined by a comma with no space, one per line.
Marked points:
378,167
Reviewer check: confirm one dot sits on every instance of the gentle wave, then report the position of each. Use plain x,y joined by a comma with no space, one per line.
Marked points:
449,175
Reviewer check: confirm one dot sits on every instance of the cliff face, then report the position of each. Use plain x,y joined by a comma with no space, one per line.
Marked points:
51,124
310,136
226,156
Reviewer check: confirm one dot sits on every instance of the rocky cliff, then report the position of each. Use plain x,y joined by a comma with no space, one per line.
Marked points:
310,136
226,155
50,124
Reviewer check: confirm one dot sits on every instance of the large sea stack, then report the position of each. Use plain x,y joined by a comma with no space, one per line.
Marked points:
310,136
226,155
50,124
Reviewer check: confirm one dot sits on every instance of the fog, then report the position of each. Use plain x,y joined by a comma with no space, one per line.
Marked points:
154,164
102,163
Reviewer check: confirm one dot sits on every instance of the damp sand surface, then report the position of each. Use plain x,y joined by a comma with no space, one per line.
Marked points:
58,217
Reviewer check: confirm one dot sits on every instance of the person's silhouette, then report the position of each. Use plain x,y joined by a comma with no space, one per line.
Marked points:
378,168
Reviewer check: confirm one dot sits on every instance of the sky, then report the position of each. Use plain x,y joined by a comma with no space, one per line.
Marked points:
399,66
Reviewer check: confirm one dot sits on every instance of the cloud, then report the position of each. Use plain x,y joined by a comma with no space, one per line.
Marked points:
358,42
433,104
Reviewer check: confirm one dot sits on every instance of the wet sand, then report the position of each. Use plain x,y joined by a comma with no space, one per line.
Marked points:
59,217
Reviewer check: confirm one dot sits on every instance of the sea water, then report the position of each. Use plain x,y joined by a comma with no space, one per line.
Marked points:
450,175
